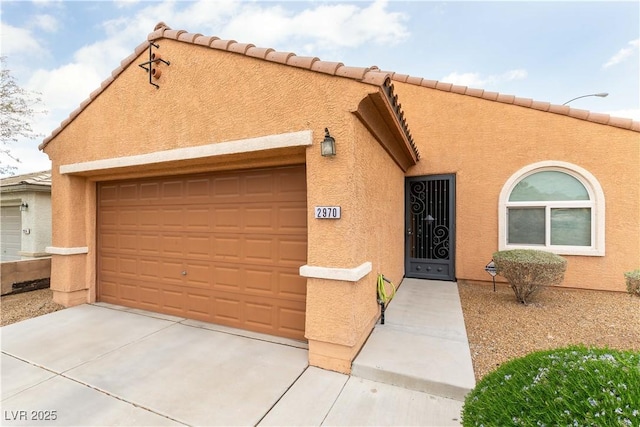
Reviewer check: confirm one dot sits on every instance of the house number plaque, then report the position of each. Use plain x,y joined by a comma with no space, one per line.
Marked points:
327,212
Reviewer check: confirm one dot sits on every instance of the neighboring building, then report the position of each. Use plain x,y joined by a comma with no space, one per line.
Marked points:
197,188
25,221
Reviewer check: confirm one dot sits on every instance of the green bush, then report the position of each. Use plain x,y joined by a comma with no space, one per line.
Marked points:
574,386
527,271
633,282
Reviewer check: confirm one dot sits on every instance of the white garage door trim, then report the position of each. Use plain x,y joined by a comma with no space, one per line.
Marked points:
269,142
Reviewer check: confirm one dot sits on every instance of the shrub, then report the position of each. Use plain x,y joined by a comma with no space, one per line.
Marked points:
633,282
527,271
574,386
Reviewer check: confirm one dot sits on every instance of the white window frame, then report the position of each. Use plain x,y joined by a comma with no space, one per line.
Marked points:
596,203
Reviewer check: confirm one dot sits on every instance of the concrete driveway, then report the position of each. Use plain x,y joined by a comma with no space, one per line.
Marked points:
106,365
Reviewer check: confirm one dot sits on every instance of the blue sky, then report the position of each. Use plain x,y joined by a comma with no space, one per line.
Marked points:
548,51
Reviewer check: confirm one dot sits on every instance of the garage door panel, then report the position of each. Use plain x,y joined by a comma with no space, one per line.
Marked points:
198,305
260,315
171,245
149,244
291,319
172,299
239,237
109,217
150,219
172,189
108,194
259,219
227,311
198,246
196,219
198,275
128,242
172,219
227,248
149,192
150,296
171,272
128,192
128,267
292,219
227,220
292,286
292,251
260,250
225,189
198,190
149,268
226,278
128,292
259,282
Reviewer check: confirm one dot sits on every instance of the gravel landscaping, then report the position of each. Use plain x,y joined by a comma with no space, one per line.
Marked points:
25,305
498,327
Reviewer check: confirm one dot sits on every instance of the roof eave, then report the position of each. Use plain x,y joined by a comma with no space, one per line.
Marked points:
379,117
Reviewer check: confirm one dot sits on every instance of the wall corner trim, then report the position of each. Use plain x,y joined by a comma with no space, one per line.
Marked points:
333,273
56,250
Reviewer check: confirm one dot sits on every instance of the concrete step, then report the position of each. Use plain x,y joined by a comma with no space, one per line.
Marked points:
423,344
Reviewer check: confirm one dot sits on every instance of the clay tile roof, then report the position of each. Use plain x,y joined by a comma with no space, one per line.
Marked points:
302,61
372,75
259,52
42,178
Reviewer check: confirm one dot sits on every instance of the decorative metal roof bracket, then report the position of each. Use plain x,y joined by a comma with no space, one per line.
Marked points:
151,65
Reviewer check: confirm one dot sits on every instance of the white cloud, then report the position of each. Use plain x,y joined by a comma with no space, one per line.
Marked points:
316,29
476,80
629,114
64,88
18,41
623,54
46,23
326,27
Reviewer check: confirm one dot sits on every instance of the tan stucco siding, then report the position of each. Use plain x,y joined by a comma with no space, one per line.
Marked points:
205,96
209,97
485,142
370,192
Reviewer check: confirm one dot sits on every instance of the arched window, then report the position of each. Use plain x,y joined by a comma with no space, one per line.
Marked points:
554,206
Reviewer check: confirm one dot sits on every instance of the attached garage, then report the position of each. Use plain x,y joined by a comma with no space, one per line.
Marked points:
10,230
224,248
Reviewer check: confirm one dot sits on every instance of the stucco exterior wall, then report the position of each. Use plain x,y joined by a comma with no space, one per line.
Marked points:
36,219
340,314
208,97
485,142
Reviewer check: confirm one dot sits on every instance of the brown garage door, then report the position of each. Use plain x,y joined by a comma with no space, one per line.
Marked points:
223,248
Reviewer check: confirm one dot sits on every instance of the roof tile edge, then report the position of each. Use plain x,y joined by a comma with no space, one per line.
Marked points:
371,75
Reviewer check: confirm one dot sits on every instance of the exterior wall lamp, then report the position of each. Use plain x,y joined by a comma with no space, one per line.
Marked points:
328,145
24,206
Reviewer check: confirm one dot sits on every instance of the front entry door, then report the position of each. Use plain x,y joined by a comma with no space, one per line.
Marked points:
430,227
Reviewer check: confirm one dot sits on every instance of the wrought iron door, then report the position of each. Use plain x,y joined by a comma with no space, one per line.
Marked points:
430,223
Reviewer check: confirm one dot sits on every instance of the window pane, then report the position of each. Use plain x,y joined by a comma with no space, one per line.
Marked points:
526,226
548,185
571,227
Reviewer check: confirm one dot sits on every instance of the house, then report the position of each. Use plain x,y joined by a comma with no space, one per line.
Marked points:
25,221
25,231
192,183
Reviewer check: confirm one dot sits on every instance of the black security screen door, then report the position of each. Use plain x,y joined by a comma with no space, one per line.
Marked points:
430,223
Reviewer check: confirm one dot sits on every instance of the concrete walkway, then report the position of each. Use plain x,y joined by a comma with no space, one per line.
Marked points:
105,365
423,344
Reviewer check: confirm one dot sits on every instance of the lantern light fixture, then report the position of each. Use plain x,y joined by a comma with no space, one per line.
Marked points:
328,145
